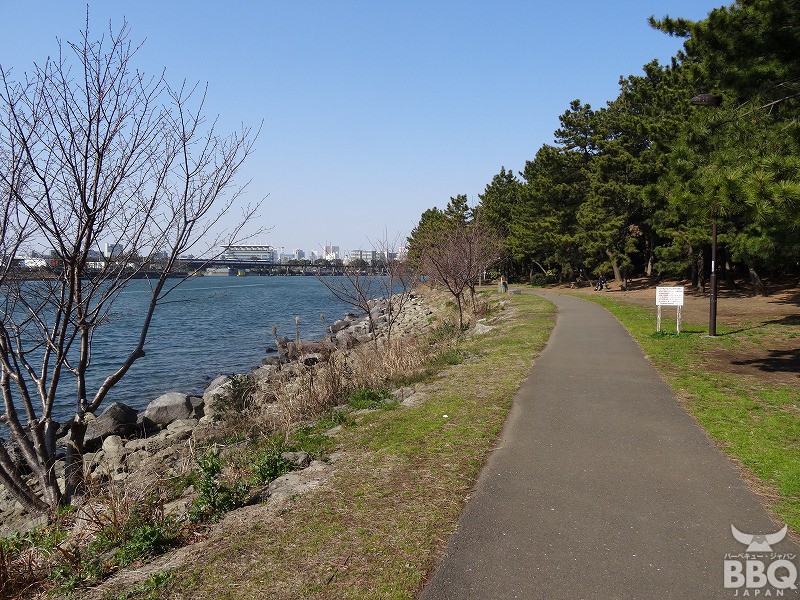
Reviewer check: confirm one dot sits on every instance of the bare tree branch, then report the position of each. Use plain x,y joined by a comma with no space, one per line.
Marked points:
93,150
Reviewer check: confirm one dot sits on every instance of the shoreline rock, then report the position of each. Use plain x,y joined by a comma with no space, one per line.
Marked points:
122,442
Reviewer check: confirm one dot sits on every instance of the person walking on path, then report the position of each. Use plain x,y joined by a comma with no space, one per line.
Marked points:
601,486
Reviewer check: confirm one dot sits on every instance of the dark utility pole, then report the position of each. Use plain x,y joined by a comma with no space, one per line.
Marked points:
712,313
712,100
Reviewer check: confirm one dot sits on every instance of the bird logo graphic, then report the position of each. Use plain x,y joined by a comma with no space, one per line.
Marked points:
759,542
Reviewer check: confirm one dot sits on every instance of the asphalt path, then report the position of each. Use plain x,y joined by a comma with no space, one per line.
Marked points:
601,486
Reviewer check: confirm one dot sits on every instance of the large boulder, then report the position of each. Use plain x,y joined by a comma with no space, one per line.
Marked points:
345,339
265,373
167,408
272,361
15,454
295,350
216,390
198,406
339,325
118,419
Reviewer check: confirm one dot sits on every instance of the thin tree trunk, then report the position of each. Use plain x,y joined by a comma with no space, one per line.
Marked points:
726,263
73,472
615,268
23,494
701,271
758,285
693,268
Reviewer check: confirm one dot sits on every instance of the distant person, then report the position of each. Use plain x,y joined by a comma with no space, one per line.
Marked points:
601,283
503,284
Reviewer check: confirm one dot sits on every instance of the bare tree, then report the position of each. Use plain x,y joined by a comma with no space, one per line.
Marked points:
92,150
443,259
390,288
455,253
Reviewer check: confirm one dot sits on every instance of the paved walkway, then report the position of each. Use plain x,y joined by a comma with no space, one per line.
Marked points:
601,487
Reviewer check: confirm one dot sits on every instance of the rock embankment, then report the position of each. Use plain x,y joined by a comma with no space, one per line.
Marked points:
125,445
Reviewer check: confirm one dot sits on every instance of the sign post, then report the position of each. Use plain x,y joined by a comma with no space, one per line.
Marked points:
669,296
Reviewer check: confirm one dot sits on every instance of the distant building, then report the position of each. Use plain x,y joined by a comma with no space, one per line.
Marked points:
369,256
112,250
298,254
330,252
314,256
33,262
249,252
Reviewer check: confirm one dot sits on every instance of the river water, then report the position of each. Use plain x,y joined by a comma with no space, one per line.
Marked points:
207,326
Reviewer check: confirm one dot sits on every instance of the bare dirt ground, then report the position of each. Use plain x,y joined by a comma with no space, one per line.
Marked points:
770,346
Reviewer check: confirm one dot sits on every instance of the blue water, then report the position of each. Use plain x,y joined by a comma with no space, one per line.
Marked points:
207,326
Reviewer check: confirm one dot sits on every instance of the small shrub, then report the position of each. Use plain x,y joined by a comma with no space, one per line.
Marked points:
149,589
446,331
75,570
214,497
334,418
365,398
312,440
146,540
539,280
236,398
19,558
449,357
481,309
268,465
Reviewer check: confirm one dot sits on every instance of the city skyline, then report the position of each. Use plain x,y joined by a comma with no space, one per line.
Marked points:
329,252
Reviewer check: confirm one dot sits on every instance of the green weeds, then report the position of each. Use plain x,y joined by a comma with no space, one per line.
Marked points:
47,555
215,497
269,465
149,589
364,398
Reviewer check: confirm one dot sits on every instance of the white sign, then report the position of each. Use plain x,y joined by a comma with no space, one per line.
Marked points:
669,296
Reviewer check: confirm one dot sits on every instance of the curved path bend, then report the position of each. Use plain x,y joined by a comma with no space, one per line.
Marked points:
601,485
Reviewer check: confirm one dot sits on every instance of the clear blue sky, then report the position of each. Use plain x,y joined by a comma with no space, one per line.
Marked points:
373,111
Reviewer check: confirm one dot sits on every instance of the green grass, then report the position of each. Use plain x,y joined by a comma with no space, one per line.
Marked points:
368,399
754,421
376,529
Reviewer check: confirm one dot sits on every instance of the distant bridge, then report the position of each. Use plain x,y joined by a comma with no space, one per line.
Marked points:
259,267
193,266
